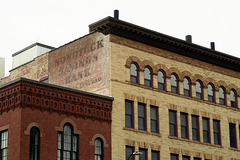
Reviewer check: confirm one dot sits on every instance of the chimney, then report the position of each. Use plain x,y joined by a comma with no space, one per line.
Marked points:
212,45
189,38
116,14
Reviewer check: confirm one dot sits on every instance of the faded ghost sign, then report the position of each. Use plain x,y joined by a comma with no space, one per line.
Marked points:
82,64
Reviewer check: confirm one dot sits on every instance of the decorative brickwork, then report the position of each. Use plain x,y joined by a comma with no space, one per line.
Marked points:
46,98
182,74
25,104
173,56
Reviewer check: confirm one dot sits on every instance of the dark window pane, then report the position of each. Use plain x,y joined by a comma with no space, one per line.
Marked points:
184,126
172,123
141,117
222,101
195,128
185,158
174,157
161,86
233,104
128,107
129,151
141,124
186,93
128,121
232,133
141,110
206,134
129,114
34,144
210,99
155,155
133,79
174,89
154,126
143,156
216,132
147,83
154,119
198,95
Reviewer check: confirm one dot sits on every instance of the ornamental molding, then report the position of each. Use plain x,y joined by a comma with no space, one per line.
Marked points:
110,25
25,93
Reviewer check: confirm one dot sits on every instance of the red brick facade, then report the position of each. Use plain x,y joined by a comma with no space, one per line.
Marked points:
25,103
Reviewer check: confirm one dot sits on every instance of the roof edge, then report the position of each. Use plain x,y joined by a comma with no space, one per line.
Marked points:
57,87
110,25
31,46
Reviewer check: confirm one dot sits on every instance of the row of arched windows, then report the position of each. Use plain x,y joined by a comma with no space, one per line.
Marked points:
187,87
67,148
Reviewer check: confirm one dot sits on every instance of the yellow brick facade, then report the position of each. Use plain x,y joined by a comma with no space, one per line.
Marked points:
123,53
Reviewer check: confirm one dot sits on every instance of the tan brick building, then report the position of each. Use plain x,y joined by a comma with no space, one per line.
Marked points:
172,99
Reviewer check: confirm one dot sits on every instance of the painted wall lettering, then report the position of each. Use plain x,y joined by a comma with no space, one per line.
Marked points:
82,64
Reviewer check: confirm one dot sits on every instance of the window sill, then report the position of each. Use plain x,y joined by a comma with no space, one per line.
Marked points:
234,149
197,142
182,96
142,131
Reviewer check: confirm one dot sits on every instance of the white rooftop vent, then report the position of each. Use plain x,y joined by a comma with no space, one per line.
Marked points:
29,53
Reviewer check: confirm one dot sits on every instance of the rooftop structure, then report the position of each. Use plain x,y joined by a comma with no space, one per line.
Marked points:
27,54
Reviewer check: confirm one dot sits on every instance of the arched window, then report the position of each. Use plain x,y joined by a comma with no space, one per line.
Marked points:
98,149
211,93
187,87
134,78
34,148
148,76
67,144
161,80
199,89
222,96
233,98
174,83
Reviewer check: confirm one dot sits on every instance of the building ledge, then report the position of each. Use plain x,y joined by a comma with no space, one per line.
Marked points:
26,93
124,29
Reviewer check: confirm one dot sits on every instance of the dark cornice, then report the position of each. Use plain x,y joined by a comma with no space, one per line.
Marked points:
124,29
22,93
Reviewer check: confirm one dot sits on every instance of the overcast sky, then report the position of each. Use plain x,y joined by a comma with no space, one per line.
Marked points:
57,22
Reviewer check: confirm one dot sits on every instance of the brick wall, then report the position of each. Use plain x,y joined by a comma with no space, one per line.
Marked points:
25,104
123,52
36,70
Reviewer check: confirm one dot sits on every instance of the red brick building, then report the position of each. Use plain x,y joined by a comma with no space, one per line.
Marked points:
44,121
